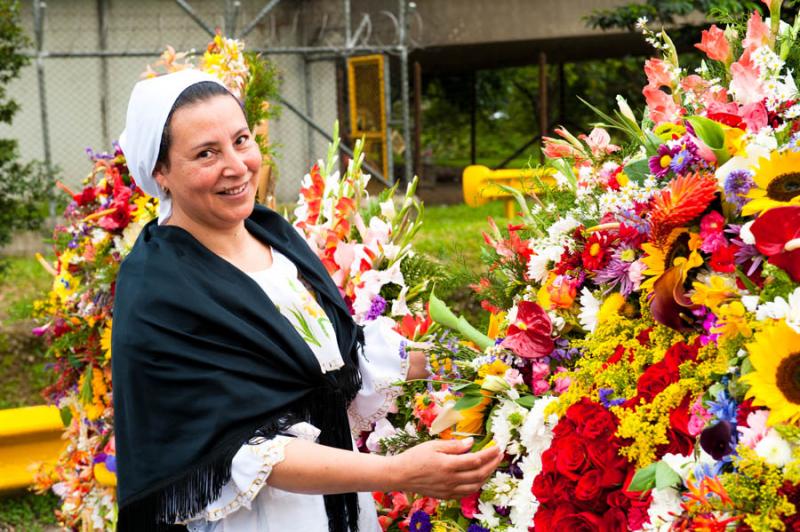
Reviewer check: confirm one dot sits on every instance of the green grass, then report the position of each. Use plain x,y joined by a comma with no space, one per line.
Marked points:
28,512
491,162
23,373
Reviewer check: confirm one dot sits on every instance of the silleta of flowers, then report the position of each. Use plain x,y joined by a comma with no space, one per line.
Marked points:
642,367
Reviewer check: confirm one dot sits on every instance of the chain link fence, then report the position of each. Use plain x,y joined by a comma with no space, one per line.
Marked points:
73,95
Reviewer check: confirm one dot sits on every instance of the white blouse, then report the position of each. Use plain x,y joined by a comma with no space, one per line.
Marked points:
247,502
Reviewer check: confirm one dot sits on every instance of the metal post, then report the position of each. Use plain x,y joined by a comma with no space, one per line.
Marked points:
404,89
231,16
38,30
417,118
102,40
473,118
309,109
348,29
387,87
544,123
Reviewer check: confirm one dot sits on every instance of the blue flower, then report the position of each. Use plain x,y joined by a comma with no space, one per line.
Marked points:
605,398
420,522
476,528
724,408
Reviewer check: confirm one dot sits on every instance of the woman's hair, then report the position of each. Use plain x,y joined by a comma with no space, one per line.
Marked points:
198,92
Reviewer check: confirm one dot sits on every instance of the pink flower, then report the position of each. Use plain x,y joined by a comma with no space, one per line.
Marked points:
711,231
469,505
562,382
540,387
513,377
754,115
529,335
658,74
599,141
661,106
558,149
715,45
758,33
699,417
756,428
746,84
540,370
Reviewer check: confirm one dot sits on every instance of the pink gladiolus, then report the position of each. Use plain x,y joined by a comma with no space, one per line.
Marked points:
715,45
758,33
599,141
661,106
557,149
754,115
658,74
746,83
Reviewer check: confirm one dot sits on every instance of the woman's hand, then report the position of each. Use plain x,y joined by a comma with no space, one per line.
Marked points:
417,365
444,469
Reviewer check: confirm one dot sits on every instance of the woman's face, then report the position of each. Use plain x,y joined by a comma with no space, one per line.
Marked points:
213,165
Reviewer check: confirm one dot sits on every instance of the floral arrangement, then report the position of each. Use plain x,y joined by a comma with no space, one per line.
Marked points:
641,367
371,261
100,225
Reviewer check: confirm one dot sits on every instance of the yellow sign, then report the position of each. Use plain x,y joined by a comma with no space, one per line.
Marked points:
367,101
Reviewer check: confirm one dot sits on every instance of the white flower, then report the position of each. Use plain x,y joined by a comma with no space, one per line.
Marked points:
387,209
750,303
663,510
506,420
524,503
399,306
536,434
383,429
780,308
539,263
746,235
590,306
487,516
563,226
774,449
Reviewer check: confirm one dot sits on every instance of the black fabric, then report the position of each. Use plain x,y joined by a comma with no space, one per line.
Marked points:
203,362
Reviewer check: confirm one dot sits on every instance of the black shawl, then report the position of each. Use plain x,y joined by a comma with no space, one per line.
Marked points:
203,362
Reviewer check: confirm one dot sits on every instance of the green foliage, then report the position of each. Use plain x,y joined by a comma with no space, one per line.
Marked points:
24,187
262,86
28,512
666,12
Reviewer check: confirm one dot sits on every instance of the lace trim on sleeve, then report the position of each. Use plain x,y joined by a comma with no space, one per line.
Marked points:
389,391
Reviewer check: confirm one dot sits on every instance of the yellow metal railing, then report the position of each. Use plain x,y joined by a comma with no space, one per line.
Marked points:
482,184
27,435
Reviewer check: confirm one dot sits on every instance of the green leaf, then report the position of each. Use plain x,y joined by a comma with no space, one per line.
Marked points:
441,314
526,401
644,479
466,387
712,134
637,170
66,416
468,401
666,477
86,395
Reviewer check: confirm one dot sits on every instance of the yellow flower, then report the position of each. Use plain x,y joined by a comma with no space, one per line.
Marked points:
610,307
64,285
712,294
667,131
105,340
497,368
777,183
731,320
103,476
775,379
658,260
495,321
471,420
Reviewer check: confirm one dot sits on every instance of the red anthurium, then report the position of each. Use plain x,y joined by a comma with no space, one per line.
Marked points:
529,335
777,234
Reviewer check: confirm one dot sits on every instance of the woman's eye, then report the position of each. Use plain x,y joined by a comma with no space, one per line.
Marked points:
242,139
205,154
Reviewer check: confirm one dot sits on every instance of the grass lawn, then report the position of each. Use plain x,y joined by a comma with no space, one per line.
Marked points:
28,512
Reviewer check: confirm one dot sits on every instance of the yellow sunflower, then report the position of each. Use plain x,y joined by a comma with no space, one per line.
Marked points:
777,183
775,379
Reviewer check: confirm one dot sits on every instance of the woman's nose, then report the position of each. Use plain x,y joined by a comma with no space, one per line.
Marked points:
234,162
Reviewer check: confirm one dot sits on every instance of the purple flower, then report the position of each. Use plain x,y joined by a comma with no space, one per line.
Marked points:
737,184
631,219
605,398
660,164
420,522
403,353
617,272
376,308
476,528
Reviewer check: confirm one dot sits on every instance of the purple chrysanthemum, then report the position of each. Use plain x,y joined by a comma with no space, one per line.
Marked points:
737,184
476,528
618,272
660,163
376,308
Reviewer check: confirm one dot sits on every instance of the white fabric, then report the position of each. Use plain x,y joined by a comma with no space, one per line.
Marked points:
299,307
248,503
148,109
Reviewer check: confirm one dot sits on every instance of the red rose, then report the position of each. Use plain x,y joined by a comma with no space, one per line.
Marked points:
546,519
601,424
563,429
549,459
580,522
571,459
654,380
679,353
615,520
544,487
588,487
617,499
610,463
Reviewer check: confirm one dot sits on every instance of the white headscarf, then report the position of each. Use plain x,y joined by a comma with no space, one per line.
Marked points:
151,101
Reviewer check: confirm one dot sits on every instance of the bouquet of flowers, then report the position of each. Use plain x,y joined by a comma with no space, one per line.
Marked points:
641,368
100,225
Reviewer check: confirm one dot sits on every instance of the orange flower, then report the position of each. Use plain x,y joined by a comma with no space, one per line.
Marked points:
715,45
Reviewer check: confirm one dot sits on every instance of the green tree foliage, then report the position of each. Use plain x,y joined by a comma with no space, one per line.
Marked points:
24,187
668,12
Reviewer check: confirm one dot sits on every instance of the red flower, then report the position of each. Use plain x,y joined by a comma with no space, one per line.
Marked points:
571,458
596,252
777,232
529,335
588,487
580,522
722,259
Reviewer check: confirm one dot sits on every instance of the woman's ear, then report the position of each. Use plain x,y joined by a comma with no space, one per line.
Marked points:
160,177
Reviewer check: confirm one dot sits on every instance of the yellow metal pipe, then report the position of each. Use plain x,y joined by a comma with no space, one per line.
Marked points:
481,184
27,436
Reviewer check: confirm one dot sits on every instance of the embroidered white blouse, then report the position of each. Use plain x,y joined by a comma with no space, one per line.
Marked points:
247,502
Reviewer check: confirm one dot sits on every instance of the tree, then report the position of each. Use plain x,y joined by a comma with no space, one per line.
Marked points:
25,188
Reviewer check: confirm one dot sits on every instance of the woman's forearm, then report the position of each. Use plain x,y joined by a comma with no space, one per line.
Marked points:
309,467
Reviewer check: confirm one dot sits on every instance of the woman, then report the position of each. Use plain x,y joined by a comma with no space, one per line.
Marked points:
227,418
